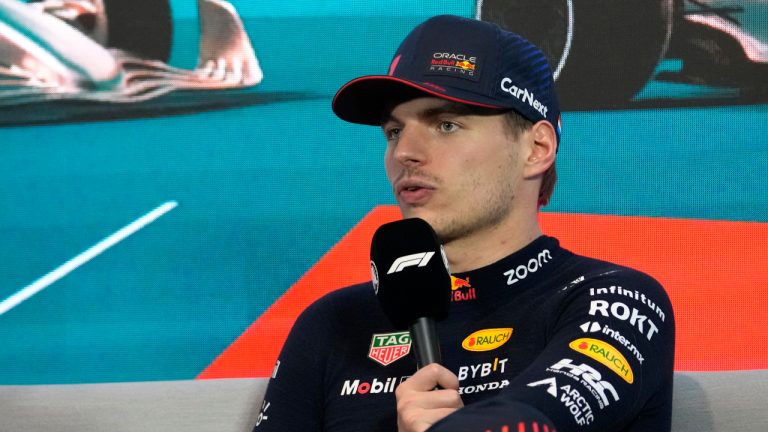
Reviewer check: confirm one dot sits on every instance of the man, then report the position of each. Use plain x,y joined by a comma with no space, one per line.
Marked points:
537,338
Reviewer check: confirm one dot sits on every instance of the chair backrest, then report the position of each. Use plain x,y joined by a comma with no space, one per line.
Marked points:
704,402
720,401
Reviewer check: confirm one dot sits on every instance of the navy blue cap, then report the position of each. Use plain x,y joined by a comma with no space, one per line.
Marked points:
459,59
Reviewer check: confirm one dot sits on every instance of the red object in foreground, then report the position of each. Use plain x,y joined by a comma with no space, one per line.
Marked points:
713,271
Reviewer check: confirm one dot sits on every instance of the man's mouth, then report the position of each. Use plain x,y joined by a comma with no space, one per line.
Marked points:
413,192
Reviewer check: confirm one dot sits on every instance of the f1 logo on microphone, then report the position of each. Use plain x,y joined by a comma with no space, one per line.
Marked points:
421,259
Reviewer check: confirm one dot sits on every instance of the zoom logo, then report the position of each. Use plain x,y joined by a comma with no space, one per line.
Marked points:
533,265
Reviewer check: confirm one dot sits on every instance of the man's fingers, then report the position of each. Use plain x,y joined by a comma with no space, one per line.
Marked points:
436,399
419,405
422,420
431,376
446,379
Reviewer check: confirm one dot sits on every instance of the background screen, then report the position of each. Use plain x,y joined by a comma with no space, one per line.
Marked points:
179,238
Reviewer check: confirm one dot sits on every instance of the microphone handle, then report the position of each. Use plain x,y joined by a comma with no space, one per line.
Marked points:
426,345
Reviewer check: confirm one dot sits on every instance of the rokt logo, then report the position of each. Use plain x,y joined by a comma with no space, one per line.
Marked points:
605,354
623,312
487,340
418,259
637,295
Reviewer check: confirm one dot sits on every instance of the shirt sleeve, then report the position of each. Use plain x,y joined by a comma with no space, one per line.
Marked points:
607,365
294,396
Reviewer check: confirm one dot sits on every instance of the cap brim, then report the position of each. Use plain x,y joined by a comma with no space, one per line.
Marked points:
365,100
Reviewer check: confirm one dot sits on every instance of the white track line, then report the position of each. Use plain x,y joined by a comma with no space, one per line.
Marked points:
63,270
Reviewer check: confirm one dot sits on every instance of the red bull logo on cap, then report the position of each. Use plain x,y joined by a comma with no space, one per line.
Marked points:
453,64
465,65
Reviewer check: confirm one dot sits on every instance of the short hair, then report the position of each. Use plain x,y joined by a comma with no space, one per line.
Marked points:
518,124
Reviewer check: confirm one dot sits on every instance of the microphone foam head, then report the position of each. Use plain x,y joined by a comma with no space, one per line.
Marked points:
410,272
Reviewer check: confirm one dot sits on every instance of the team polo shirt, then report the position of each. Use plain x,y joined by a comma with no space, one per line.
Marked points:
542,340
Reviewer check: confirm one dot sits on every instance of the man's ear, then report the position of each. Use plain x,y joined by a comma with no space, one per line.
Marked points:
543,148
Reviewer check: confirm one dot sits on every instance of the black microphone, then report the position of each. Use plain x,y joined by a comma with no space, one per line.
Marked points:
412,282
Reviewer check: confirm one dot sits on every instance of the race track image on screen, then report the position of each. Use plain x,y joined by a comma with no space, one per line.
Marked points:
175,189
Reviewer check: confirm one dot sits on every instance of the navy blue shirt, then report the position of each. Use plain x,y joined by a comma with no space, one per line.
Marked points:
541,340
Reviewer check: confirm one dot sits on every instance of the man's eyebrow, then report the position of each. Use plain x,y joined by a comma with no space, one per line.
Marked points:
448,107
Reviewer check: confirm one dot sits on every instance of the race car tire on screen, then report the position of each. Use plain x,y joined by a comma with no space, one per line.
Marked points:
602,52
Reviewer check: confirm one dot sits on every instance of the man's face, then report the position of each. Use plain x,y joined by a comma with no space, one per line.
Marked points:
456,170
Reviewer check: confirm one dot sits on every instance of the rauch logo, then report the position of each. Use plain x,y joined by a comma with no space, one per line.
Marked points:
486,340
605,354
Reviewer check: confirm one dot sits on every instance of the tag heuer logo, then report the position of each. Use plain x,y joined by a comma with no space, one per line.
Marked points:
389,347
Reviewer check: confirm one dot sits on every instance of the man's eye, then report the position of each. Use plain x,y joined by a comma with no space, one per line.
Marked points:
448,127
392,133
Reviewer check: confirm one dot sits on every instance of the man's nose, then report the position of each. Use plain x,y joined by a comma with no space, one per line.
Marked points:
412,146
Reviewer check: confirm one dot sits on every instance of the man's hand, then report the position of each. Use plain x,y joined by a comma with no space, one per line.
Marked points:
419,405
